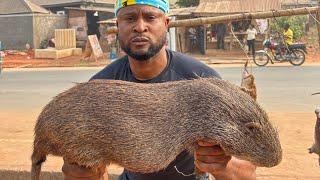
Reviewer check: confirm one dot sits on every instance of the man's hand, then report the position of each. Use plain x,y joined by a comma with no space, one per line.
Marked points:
75,172
212,159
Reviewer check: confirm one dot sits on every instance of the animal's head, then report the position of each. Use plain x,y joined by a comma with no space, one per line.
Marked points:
245,125
317,111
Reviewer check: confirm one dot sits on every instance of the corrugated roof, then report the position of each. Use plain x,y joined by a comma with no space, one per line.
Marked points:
20,7
211,7
58,2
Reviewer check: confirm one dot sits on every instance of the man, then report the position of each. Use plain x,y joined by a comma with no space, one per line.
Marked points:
288,34
251,37
192,38
221,30
142,28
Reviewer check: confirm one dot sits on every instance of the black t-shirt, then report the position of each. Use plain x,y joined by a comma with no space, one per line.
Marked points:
179,67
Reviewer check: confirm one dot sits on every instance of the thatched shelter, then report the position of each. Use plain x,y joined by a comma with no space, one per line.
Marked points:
212,8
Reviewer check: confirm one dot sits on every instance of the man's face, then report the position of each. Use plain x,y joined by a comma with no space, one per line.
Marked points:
142,31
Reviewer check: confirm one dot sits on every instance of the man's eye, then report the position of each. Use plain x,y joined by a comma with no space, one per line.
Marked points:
151,17
129,18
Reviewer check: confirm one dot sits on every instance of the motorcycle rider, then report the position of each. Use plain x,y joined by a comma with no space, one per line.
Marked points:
288,34
287,40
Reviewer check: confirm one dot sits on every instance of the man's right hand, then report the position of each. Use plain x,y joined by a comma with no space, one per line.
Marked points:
76,172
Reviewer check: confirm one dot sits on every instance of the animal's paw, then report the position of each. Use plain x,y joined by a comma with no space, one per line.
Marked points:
310,150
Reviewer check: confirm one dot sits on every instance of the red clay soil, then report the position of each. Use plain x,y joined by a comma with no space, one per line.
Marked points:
26,60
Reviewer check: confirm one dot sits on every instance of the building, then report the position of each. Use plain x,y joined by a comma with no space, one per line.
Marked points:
83,15
23,22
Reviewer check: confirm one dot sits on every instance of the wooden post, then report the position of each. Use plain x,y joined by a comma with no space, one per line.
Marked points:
204,39
231,36
318,24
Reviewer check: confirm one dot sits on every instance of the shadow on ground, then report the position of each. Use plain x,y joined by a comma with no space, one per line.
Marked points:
25,175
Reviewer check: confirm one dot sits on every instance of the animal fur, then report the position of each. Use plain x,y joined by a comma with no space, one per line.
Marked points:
143,127
315,148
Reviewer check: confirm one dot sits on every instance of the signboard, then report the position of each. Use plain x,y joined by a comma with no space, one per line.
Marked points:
95,46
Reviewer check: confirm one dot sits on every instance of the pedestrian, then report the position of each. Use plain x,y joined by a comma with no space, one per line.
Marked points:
192,38
251,38
142,27
221,30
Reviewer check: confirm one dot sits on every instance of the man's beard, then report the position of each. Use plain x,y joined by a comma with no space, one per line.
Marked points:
152,50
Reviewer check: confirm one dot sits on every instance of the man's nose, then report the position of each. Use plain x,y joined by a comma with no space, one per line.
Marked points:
140,26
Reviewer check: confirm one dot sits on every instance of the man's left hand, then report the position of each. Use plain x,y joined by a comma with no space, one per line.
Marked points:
211,158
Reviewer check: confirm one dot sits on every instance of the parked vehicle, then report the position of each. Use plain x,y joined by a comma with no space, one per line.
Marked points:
280,52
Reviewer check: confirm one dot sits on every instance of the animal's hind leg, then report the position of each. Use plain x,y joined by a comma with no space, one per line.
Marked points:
37,159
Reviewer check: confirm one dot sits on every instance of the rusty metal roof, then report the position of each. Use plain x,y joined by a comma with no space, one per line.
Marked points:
215,7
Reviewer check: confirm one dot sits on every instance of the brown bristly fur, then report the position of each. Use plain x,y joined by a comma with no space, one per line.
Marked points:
143,127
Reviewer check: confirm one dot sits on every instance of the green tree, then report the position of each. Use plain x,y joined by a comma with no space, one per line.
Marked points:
297,25
187,3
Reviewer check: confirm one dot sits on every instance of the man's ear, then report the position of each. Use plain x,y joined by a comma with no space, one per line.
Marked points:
167,21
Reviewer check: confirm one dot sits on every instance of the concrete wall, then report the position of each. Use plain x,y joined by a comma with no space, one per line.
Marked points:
44,26
16,31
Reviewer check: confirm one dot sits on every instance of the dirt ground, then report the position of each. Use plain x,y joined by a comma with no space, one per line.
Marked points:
26,59
296,134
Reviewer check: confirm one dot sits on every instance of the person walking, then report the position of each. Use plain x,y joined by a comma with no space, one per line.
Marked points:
251,37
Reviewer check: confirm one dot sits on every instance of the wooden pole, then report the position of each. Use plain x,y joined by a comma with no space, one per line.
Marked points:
236,17
318,24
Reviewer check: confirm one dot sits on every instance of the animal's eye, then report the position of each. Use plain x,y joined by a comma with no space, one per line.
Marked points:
253,125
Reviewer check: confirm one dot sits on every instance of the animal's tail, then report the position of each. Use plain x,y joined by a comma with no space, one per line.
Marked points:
37,159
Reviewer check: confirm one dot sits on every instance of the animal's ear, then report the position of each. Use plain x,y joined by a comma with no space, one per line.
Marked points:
253,125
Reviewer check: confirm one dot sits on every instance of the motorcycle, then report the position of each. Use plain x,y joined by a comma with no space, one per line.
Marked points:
280,52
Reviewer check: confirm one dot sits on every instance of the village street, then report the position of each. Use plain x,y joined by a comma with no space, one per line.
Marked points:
285,88
285,92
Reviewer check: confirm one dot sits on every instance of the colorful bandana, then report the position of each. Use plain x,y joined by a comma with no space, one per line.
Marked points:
161,4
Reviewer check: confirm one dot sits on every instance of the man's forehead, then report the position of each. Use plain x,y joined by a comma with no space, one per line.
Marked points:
139,8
